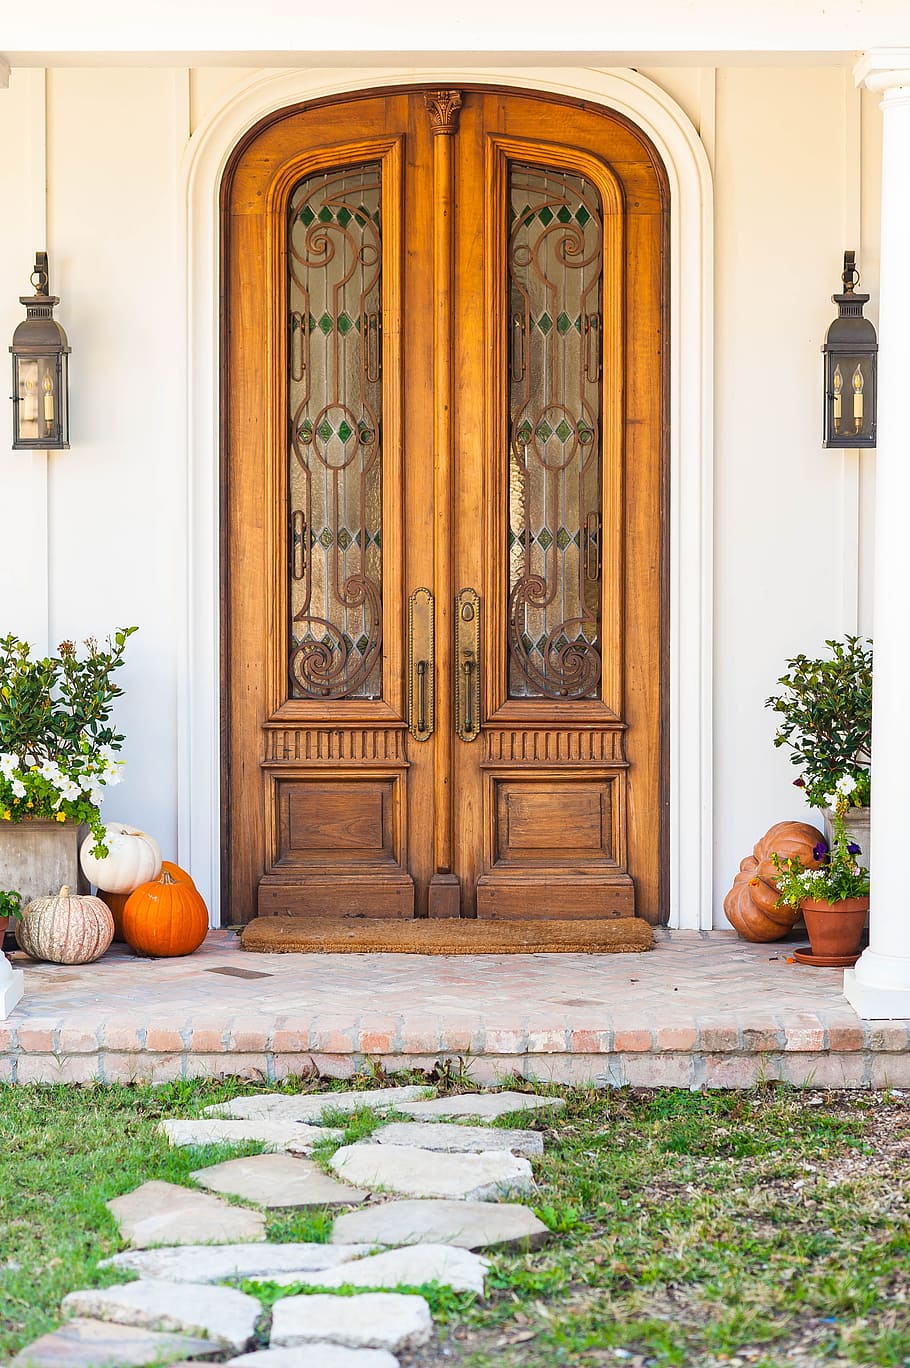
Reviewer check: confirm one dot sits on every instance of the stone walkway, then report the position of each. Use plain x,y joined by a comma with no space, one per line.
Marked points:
701,1009
189,1248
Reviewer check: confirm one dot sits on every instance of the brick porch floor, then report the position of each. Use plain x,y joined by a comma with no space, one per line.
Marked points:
701,1009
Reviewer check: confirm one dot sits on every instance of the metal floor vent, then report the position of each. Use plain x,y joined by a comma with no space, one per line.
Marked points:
240,973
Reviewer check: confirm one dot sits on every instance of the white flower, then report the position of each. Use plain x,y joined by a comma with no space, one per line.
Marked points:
9,764
830,800
845,784
18,788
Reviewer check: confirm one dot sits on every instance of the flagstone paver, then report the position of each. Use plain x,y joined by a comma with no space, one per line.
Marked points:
314,1356
470,1225
413,1172
278,1180
96,1344
274,1135
222,1314
452,1138
160,1213
218,1263
310,1106
410,1267
369,1320
480,1106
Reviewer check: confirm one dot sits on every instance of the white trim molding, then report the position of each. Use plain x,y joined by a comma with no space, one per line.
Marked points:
691,441
879,985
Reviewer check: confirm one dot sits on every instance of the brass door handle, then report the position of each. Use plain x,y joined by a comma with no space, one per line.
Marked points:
421,664
421,695
467,664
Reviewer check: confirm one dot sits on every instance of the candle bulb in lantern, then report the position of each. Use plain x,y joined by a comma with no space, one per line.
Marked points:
858,398
838,389
48,400
30,403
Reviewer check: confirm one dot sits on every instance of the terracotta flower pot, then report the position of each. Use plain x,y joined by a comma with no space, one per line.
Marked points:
835,928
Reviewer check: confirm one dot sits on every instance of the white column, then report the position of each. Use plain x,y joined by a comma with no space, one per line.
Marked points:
879,986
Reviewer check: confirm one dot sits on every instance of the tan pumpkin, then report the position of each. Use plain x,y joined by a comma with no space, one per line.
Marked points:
756,918
786,840
164,918
133,858
67,928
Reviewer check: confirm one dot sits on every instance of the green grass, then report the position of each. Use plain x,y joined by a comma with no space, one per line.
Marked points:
688,1228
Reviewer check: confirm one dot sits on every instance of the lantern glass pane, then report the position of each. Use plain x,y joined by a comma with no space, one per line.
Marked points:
851,398
28,390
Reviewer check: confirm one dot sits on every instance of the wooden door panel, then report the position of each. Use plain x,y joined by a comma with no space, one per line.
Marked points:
331,806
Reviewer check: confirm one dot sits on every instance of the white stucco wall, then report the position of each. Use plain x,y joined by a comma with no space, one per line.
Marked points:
90,536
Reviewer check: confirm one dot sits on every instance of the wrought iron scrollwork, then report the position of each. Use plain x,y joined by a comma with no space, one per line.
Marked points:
555,283
335,396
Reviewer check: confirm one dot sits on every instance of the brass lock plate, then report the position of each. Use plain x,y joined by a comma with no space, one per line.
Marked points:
467,664
421,664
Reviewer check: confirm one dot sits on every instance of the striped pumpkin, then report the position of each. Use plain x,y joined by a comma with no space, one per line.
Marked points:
67,928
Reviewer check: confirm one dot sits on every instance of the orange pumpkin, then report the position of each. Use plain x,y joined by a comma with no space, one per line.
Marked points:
752,916
164,918
178,874
116,902
786,840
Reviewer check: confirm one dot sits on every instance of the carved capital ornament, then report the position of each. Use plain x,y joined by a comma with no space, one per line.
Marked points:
443,107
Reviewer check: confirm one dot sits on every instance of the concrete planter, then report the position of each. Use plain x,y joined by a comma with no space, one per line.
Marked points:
856,824
38,858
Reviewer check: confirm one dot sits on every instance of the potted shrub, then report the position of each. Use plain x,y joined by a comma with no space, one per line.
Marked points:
834,896
58,755
10,905
825,707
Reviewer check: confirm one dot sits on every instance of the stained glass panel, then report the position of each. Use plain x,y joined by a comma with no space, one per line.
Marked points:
555,322
335,415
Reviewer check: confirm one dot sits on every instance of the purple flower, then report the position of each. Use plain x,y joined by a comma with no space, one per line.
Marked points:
820,850
854,849
799,783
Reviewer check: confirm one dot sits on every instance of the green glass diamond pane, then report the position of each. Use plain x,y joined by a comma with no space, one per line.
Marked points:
326,538
345,324
324,430
545,539
344,216
544,323
563,538
345,431
344,538
325,324
563,432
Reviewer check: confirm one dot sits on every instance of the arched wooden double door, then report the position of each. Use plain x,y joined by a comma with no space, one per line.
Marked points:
443,510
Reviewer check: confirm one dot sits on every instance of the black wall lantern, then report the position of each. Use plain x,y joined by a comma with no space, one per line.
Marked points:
851,366
40,370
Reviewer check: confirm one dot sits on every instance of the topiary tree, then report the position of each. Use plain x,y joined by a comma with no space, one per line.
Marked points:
825,706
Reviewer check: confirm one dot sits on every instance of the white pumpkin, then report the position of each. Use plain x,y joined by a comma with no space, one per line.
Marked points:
66,928
133,858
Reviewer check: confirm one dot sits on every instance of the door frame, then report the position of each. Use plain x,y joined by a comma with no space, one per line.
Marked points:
690,594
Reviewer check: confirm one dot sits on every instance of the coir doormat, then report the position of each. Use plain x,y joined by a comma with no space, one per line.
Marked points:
444,936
